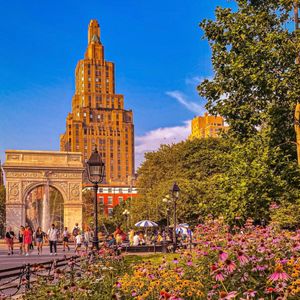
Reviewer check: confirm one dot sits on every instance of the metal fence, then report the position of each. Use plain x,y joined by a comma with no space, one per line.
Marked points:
18,280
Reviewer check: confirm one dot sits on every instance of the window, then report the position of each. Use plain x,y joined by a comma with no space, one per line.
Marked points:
109,190
101,199
110,200
120,200
110,211
120,191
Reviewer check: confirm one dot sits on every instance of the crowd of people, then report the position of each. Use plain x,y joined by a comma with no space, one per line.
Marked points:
27,238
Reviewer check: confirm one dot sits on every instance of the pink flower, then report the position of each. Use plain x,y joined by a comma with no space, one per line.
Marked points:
242,258
223,255
227,296
230,265
175,261
279,274
219,276
250,293
134,293
189,263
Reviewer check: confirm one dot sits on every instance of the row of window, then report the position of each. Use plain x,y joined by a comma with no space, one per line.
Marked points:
110,200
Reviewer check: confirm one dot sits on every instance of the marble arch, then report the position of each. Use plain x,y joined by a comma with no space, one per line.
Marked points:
25,170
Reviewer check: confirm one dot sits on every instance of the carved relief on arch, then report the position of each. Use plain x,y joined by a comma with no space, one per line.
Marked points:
75,191
62,187
13,191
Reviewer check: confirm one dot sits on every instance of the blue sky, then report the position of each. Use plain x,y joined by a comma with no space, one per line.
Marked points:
156,47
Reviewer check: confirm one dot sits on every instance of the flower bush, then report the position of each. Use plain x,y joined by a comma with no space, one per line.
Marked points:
241,263
93,280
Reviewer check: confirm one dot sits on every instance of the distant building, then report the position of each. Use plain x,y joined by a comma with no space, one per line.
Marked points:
110,196
98,116
207,126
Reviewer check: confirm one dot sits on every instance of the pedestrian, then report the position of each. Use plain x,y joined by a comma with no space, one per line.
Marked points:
39,239
21,239
86,238
31,244
52,237
78,241
75,232
27,239
66,236
9,238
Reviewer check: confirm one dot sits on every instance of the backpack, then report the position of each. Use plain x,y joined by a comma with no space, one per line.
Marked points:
75,231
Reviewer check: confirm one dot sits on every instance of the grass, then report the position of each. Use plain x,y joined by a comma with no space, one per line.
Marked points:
153,258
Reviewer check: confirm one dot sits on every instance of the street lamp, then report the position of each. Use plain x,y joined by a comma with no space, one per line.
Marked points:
126,213
175,195
95,171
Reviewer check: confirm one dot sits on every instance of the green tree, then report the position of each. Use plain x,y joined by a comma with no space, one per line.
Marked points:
249,185
190,164
256,82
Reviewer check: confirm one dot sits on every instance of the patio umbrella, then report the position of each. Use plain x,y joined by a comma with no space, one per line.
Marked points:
185,225
181,229
146,223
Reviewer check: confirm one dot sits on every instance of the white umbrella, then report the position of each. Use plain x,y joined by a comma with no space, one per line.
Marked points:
185,225
146,223
182,230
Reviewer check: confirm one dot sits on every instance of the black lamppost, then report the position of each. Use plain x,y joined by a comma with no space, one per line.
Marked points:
95,171
175,195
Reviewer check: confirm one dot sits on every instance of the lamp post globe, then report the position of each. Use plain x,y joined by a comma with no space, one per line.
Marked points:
95,172
175,191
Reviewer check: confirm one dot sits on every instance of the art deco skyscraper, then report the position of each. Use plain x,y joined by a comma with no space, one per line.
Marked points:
98,117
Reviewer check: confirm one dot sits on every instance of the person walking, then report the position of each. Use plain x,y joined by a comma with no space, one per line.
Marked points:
87,238
78,241
39,239
75,232
31,244
27,239
52,237
9,238
21,239
66,236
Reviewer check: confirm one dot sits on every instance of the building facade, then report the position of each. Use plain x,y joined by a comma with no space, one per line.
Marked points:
207,126
110,196
98,118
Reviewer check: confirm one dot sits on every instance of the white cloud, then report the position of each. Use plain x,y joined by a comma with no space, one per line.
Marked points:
181,98
152,140
196,80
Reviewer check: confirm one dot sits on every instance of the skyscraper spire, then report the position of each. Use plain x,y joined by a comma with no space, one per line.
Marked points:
94,32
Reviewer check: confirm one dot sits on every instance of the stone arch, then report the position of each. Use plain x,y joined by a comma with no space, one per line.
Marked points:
26,170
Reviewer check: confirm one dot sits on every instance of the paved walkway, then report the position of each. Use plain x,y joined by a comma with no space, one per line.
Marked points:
17,260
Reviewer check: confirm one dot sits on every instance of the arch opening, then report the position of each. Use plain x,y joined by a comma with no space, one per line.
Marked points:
44,206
